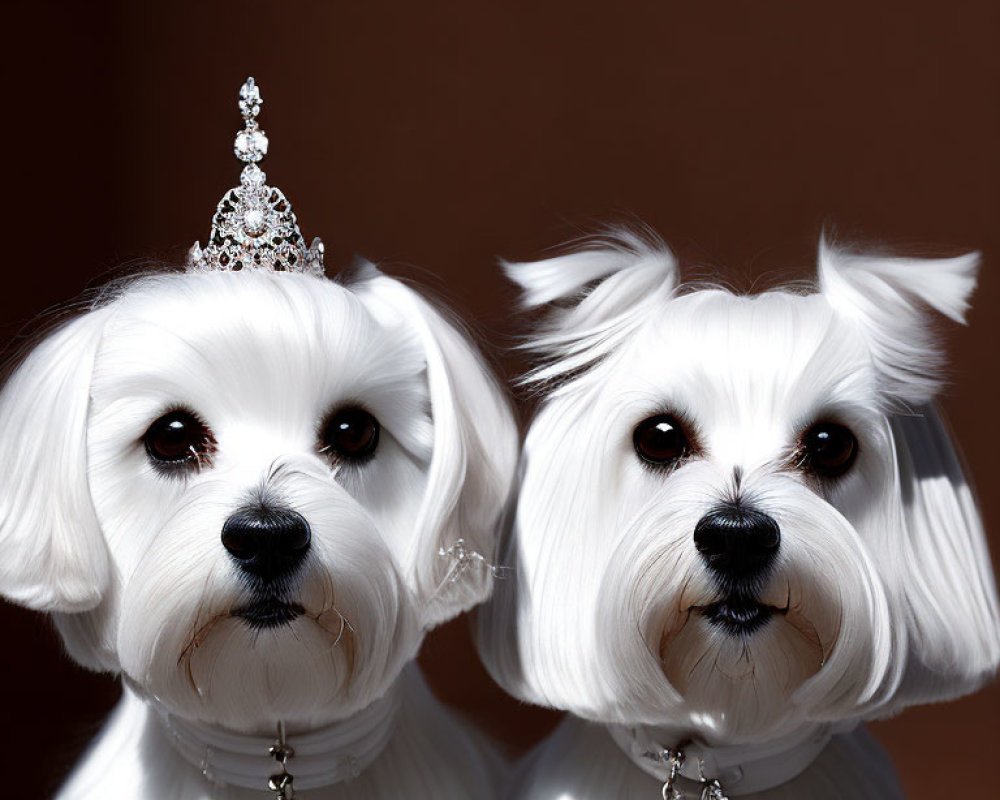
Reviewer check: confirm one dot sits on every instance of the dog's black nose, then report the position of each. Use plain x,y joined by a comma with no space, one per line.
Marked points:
736,541
265,541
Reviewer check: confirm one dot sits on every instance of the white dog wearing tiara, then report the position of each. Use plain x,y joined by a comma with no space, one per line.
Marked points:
250,490
741,529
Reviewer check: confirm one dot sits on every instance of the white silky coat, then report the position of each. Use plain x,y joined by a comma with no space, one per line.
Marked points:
883,577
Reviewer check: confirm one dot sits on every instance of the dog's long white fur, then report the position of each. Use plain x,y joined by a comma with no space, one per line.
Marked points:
129,561
891,599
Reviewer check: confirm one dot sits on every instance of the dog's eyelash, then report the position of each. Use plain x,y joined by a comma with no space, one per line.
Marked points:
196,463
200,459
665,469
796,460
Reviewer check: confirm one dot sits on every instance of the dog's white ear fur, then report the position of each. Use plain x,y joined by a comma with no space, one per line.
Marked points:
54,556
473,459
947,584
888,298
599,293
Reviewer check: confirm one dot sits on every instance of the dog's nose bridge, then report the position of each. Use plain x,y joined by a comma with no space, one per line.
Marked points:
267,471
747,445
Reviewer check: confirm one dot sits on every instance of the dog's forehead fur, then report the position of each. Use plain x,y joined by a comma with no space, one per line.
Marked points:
283,349
732,364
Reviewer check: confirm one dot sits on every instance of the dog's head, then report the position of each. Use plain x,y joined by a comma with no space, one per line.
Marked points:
236,488
739,512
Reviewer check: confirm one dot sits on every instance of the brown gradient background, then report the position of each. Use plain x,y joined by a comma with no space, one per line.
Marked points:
439,135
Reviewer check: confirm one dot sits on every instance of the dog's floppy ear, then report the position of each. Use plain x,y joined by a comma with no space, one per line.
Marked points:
53,555
473,459
598,293
944,567
888,298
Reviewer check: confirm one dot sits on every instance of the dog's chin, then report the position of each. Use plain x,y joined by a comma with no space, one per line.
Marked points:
242,655
736,661
264,659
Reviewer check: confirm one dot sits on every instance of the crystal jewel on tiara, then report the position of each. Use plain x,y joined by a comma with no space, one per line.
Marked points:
254,227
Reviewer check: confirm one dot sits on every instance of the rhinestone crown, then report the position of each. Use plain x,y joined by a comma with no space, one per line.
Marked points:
254,227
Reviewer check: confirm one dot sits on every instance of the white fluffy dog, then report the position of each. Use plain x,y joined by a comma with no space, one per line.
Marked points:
741,528
250,494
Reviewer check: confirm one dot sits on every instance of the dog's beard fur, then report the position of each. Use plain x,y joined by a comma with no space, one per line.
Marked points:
357,627
825,648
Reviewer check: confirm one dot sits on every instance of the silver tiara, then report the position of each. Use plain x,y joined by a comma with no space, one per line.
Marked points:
254,227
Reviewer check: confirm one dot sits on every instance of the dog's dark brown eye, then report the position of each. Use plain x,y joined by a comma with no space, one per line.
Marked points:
828,449
351,433
178,437
660,440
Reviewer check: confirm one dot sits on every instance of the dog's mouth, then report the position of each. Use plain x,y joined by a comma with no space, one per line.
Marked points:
739,616
268,612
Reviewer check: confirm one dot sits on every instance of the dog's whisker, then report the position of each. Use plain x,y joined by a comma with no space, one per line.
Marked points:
694,667
198,636
340,633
